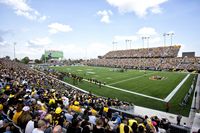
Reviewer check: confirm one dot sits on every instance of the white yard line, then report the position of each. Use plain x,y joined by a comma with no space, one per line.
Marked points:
168,98
139,94
134,93
142,110
131,78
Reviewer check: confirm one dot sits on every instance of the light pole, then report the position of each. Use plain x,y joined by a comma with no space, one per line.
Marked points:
130,43
114,45
164,36
171,35
147,41
86,54
14,49
126,43
143,38
44,56
168,34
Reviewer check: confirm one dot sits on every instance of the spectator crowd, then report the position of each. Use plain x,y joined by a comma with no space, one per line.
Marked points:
160,58
169,51
33,102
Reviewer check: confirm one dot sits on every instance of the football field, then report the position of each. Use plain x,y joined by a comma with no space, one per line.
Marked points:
150,89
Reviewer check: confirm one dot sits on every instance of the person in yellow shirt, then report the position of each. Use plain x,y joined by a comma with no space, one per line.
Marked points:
105,109
75,108
133,124
94,112
17,113
141,128
1,107
58,117
123,128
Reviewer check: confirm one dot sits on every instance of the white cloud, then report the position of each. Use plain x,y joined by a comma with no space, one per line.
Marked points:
123,38
147,31
24,29
139,7
97,49
156,10
23,9
1,39
2,34
57,27
77,51
31,52
171,32
105,16
43,18
3,43
38,42
124,42
155,39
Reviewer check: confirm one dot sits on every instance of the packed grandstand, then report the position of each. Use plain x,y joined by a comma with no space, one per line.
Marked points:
160,58
31,100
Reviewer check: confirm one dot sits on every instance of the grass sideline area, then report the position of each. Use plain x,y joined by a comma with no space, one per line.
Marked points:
136,81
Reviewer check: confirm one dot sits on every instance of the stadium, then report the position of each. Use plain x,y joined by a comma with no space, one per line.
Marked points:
153,79
149,77
139,76
66,72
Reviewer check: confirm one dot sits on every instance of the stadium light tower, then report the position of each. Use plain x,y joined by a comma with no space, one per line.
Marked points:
171,35
143,38
148,41
164,37
168,34
45,57
114,43
14,49
85,53
126,42
130,43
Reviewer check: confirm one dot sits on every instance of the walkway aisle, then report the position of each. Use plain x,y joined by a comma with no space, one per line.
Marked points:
151,112
193,111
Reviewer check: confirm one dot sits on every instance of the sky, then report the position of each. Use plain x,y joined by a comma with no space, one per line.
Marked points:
88,28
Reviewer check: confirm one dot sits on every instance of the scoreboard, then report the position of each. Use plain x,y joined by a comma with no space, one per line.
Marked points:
54,54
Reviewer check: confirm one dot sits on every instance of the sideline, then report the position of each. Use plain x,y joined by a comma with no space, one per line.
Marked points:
195,106
63,82
169,97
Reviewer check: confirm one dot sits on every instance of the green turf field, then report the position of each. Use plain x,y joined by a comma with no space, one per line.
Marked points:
135,81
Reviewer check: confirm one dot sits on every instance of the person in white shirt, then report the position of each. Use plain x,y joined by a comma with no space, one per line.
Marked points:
29,127
41,127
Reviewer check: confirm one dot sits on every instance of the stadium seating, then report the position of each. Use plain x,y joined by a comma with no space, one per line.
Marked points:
170,51
161,58
44,98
